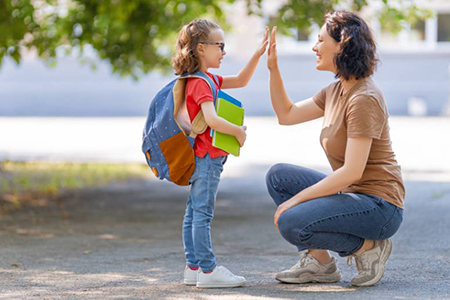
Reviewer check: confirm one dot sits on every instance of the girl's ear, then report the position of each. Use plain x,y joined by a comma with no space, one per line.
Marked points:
200,49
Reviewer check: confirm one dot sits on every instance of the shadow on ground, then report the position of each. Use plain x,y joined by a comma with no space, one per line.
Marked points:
124,241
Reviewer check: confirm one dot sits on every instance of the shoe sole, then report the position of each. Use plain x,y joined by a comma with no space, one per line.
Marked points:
188,282
329,278
384,257
218,286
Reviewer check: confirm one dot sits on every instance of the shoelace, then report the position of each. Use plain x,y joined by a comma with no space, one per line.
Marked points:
362,265
350,260
304,258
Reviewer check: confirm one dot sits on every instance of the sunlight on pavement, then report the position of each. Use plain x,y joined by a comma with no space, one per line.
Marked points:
235,296
324,288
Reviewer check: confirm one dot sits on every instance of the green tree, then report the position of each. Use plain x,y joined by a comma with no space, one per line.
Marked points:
134,36
137,36
302,14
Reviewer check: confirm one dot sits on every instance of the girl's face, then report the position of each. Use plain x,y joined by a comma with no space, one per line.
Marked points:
326,48
210,51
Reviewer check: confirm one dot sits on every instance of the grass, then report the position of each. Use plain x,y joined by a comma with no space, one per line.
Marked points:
37,182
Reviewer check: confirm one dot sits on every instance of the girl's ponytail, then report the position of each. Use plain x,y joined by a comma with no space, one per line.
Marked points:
186,58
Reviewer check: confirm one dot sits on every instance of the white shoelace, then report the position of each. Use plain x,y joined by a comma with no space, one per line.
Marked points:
304,259
362,263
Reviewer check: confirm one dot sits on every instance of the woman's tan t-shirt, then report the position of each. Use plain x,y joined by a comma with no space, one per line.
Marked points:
361,112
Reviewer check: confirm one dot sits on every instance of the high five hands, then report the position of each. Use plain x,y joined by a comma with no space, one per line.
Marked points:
272,52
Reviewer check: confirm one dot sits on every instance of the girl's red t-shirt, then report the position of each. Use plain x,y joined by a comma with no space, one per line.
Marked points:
197,92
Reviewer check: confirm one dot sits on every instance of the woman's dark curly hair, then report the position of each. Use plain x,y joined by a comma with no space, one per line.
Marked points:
357,57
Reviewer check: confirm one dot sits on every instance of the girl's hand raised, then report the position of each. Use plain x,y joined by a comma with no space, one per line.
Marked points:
264,44
272,59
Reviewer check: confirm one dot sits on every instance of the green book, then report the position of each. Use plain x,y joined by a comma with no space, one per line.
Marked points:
233,114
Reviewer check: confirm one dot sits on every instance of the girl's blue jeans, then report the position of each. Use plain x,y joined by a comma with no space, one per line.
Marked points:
339,222
200,212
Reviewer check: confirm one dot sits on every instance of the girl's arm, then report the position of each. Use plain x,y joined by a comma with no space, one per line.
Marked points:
356,155
287,112
220,124
244,76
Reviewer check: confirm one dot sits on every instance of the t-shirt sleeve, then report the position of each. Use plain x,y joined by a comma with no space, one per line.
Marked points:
365,118
199,90
320,98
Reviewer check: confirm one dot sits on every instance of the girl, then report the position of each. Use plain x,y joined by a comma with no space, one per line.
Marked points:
201,46
356,209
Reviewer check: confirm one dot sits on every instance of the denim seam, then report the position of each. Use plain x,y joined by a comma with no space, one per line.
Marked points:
338,215
302,186
208,189
330,217
383,229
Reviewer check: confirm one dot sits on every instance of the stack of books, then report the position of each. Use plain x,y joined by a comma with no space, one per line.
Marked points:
231,110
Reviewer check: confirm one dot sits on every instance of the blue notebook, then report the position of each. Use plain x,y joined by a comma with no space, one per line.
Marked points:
227,97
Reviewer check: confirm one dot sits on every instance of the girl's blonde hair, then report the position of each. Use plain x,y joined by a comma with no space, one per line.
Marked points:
186,58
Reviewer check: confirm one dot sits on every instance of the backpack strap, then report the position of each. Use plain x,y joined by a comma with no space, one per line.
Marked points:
216,80
198,123
208,80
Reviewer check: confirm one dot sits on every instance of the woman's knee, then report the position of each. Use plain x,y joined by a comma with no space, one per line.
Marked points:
273,175
273,183
293,226
285,227
289,227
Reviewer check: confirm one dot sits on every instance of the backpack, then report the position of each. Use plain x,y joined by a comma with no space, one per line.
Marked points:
169,135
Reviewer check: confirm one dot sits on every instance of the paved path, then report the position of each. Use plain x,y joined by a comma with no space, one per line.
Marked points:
124,241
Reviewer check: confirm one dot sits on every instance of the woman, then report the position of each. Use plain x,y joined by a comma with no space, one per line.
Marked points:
354,210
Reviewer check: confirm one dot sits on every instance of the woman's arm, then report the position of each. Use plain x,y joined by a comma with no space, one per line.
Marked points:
244,76
356,155
220,124
287,112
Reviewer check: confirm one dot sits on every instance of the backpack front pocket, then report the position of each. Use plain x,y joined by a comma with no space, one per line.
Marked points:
180,158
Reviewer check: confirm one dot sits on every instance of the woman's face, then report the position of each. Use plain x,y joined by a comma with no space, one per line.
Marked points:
326,48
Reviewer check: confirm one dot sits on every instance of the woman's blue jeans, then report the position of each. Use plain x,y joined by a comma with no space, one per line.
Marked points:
200,212
339,222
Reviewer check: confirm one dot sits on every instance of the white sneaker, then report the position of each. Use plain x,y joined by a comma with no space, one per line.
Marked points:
220,277
371,263
190,276
309,269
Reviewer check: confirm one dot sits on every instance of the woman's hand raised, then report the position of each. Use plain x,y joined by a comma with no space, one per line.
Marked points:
272,59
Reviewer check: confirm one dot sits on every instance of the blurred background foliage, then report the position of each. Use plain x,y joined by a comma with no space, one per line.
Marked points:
138,36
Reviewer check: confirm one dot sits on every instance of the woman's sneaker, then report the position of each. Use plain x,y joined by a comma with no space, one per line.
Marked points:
370,264
220,277
190,276
309,269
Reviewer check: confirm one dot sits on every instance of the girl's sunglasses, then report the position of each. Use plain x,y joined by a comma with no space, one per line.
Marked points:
220,44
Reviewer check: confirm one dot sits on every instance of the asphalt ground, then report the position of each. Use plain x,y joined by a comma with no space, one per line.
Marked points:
124,241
